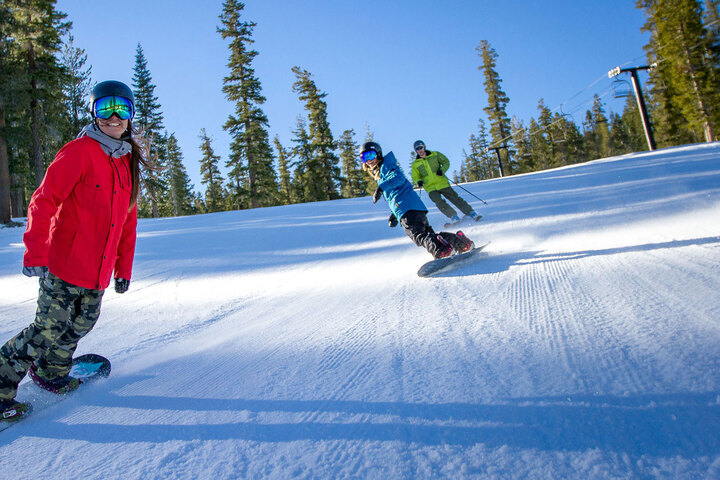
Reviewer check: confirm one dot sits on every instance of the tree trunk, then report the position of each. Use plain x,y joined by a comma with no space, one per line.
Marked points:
702,105
17,195
252,184
37,163
5,215
156,162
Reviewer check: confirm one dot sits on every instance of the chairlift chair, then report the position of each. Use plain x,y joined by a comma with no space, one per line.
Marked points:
568,118
621,88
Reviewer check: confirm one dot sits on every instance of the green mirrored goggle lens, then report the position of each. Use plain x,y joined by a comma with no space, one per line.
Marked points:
105,107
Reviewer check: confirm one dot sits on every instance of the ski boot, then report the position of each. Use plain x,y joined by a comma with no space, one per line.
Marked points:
60,386
475,216
454,220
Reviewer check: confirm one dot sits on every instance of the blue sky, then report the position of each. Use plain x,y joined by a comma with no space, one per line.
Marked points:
406,69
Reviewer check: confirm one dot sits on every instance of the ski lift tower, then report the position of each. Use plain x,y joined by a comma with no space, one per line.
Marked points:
497,152
640,101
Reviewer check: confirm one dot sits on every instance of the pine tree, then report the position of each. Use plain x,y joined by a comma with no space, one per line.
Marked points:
323,168
687,62
198,203
7,67
355,181
211,177
285,184
38,28
620,139
180,193
632,123
571,149
538,146
597,131
251,159
303,184
77,87
149,120
521,140
148,114
546,137
711,21
563,143
497,103
369,134
478,164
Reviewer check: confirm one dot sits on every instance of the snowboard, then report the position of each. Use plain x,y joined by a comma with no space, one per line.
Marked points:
466,220
88,368
434,266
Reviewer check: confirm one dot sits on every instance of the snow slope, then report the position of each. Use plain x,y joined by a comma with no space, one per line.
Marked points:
298,342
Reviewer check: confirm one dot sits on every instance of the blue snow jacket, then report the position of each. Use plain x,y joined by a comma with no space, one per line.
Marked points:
397,190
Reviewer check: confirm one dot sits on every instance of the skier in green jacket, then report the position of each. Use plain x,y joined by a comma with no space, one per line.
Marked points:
428,171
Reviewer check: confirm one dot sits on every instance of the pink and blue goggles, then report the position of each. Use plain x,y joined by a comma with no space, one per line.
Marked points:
105,107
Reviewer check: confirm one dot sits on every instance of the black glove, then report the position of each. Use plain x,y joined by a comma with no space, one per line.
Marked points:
421,183
41,272
392,221
439,172
378,193
121,285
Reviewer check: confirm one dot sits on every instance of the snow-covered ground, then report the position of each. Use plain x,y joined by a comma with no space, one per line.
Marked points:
298,342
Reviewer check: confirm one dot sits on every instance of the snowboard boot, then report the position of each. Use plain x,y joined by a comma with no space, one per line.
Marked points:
464,244
12,411
60,386
458,241
444,250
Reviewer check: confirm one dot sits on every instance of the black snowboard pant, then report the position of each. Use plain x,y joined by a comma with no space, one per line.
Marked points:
416,226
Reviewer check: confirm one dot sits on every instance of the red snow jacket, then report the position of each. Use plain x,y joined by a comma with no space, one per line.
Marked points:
79,224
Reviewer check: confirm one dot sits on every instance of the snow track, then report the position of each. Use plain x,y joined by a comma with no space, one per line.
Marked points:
297,342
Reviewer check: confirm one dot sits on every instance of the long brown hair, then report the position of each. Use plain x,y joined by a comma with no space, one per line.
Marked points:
139,157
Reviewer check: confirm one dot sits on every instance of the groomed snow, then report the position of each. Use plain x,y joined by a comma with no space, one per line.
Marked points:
298,342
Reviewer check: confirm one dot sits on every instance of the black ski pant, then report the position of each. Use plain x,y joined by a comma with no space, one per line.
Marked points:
453,197
416,226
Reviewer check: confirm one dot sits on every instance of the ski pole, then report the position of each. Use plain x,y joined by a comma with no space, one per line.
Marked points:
471,193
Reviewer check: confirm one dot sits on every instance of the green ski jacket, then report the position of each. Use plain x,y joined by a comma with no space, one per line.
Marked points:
425,169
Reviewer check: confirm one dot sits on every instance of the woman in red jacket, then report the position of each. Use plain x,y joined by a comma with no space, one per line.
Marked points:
80,229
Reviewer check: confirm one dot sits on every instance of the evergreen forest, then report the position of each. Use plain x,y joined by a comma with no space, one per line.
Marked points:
45,81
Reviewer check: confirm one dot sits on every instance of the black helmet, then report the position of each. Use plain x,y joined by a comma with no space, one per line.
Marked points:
111,88
367,146
418,143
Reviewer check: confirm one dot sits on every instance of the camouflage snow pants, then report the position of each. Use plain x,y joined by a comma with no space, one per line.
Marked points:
65,314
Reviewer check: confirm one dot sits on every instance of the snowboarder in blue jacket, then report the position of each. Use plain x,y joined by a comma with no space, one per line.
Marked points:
406,206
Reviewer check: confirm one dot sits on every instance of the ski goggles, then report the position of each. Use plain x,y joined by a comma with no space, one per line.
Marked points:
368,156
105,107
419,147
